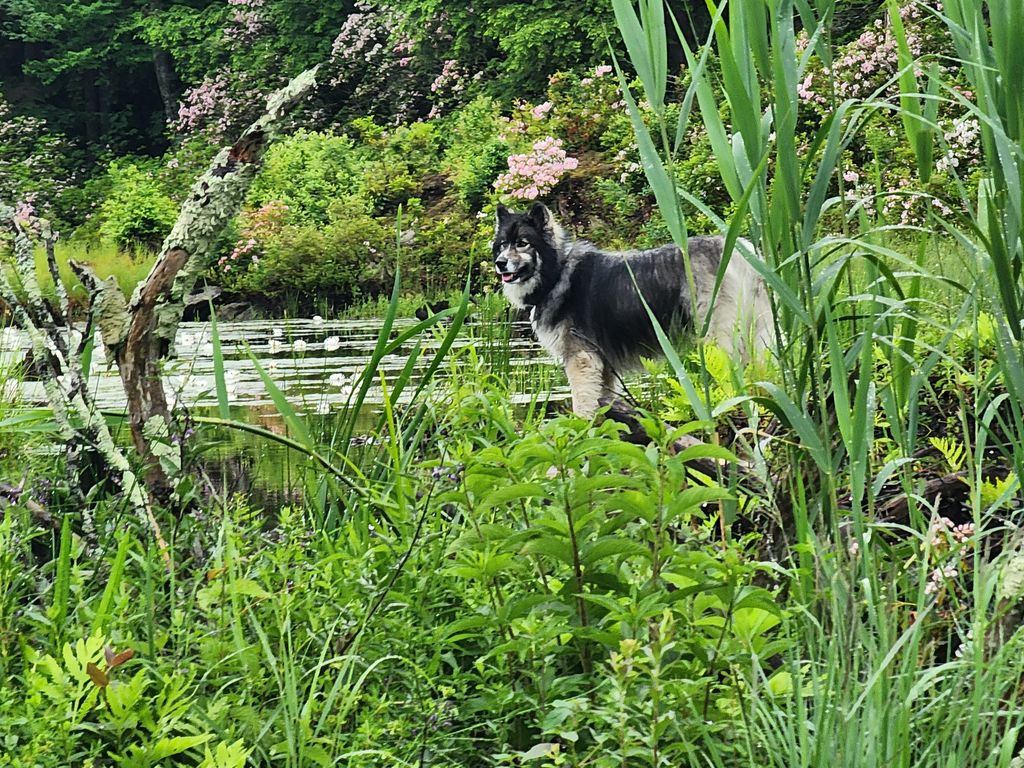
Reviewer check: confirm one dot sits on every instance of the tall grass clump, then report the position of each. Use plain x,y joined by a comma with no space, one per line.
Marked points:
128,266
884,664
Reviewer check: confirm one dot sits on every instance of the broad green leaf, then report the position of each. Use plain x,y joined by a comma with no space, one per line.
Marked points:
610,546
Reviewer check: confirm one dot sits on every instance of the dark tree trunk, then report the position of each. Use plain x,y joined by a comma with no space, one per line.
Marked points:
90,110
138,362
167,81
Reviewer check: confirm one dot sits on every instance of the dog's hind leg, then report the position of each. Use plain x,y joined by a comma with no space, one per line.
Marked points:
586,374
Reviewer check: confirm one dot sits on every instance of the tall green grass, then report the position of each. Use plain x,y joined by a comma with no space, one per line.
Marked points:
129,268
863,328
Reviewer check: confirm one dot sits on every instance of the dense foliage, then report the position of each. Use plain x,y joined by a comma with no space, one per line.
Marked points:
812,560
431,111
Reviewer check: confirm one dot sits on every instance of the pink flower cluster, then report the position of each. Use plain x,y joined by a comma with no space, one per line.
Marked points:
24,210
943,533
362,36
541,110
259,226
246,21
202,102
534,174
963,145
599,71
865,64
450,78
938,578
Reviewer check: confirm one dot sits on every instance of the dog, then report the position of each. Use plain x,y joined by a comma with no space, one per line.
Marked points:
587,312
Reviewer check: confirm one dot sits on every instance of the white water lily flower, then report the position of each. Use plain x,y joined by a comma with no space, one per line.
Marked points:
317,320
332,344
277,331
337,379
299,345
276,345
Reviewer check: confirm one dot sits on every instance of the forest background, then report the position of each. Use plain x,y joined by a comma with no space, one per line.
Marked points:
108,110
813,560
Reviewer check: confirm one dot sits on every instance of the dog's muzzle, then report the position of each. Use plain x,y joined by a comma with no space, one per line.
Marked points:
512,269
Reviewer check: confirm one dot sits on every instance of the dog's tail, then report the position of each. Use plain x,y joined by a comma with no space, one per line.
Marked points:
742,322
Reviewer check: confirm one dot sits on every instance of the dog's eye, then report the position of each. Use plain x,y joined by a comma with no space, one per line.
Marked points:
520,243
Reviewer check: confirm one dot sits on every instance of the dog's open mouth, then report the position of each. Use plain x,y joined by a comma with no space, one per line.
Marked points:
512,277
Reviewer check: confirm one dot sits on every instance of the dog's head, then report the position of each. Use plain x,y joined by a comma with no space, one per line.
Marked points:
521,243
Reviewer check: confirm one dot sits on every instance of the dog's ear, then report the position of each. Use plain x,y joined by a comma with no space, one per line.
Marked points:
502,213
540,216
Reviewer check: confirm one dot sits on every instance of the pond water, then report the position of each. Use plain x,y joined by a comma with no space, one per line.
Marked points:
314,363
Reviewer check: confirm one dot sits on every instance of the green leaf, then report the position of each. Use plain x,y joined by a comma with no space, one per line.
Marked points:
609,547
706,451
646,45
537,751
511,493
175,745
558,549
223,407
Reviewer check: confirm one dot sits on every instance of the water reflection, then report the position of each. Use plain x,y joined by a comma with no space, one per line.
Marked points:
315,363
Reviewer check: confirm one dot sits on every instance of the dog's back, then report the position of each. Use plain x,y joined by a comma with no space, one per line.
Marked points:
603,302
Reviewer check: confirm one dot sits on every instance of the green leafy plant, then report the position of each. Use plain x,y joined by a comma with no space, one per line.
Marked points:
136,210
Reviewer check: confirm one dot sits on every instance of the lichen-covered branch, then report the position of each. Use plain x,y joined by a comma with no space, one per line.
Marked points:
79,424
158,302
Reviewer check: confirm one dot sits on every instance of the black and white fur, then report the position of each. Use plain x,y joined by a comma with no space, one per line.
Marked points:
587,313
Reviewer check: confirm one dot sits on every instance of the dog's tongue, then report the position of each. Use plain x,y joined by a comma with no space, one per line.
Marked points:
507,277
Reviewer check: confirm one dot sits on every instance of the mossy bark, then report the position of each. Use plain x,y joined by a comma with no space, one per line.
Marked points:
139,333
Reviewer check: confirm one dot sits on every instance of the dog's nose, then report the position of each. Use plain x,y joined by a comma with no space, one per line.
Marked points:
500,262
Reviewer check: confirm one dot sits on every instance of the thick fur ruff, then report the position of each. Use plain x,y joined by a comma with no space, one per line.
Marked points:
587,312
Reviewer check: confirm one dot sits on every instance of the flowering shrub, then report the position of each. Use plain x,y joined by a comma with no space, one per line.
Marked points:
383,71
337,262
864,65
534,174
35,164
220,106
230,96
204,103
247,21
879,175
257,228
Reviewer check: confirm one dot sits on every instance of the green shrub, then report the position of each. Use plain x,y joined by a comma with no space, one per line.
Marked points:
397,162
445,250
136,211
477,152
306,172
345,259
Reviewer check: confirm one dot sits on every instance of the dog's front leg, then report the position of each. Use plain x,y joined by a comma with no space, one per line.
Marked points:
585,371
